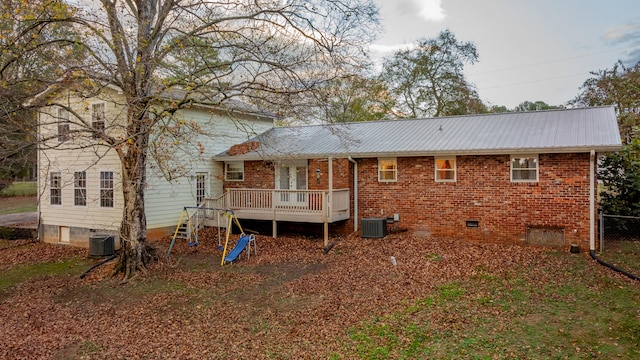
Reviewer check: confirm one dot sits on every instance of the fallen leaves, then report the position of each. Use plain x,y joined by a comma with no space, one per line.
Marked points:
290,301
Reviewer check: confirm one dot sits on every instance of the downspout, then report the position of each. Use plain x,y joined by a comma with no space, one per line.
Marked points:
592,218
355,194
592,202
39,230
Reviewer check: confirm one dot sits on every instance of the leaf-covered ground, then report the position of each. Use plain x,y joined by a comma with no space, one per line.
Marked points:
293,301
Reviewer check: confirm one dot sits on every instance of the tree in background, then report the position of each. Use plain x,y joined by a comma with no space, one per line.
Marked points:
498,109
620,87
620,176
536,106
267,53
428,80
619,172
31,59
353,98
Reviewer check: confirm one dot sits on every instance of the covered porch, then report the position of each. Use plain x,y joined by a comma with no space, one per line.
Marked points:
311,206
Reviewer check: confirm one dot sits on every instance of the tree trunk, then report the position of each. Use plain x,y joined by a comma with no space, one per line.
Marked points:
135,253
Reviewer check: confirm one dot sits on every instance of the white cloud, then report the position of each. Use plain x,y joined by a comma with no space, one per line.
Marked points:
622,33
430,10
388,49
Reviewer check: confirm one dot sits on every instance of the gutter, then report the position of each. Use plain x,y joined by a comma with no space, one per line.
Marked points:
355,194
254,156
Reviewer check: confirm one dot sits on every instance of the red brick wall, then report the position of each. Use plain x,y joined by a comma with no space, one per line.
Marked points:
261,175
257,175
341,174
483,191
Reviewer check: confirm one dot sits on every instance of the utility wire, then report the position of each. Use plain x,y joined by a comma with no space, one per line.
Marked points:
550,61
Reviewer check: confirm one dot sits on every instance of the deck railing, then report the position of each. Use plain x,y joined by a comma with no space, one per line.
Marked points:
298,202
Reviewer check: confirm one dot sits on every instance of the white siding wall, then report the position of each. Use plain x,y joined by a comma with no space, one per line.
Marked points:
67,159
164,199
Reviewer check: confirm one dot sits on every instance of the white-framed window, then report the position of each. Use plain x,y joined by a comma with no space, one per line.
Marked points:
97,117
445,169
106,189
202,183
63,125
524,168
80,188
387,170
234,171
55,188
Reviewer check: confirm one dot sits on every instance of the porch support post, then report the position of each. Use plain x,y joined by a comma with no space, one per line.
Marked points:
326,234
274,223
329,211
275,228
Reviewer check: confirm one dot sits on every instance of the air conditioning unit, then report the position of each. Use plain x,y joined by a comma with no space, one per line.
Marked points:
373,228
101,245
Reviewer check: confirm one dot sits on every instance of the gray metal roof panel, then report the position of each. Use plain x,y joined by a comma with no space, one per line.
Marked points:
584,128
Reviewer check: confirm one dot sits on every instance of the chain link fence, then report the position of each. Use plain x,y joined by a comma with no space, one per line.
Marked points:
620,241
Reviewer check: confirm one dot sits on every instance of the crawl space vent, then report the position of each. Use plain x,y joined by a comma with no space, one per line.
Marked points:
545,235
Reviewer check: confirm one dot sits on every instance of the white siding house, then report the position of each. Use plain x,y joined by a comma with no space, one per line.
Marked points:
79,177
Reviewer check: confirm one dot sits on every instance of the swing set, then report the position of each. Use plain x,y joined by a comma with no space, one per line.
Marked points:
245,241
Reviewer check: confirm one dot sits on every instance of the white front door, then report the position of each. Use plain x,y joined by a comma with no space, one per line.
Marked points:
291,177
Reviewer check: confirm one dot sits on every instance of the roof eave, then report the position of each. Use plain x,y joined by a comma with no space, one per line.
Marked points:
459,152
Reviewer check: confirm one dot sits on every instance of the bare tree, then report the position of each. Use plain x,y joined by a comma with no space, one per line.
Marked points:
181,52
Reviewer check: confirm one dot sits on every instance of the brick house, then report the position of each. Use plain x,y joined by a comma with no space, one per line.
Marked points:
523,178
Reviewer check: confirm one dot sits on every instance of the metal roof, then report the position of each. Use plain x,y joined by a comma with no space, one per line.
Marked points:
552,131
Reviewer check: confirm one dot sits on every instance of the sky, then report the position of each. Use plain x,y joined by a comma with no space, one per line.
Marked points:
529,50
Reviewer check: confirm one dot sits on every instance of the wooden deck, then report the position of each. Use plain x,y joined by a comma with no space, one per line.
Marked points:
312,206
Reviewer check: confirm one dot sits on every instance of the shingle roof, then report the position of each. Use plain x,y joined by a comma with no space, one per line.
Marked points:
553,131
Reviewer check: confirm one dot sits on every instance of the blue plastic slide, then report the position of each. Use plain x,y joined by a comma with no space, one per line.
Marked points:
237,250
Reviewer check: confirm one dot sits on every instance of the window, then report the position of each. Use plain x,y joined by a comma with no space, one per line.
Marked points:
234,171
63,125
524,168
97,118
55,188
446,169
80,188
106,189
201,187
387,170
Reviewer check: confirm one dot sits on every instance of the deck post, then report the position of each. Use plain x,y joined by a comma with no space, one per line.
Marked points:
326,233
275,229
274,225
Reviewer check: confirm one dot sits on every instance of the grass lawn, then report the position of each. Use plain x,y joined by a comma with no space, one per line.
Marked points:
624,254
20,189
443,299
18,204
19,197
